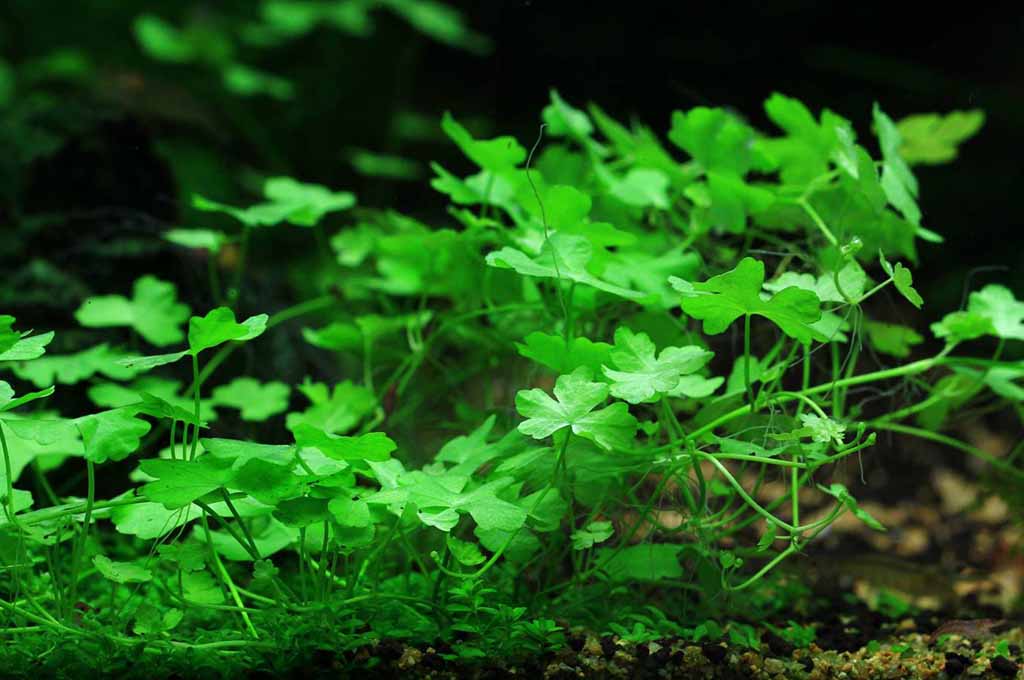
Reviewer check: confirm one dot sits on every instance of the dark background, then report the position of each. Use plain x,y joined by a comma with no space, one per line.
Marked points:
637,60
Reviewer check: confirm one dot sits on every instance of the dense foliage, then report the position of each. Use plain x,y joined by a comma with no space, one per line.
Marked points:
558,403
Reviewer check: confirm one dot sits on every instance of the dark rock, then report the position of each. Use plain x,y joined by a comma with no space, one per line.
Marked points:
956,664
778,646
389,650
432,660
714,652
1004,666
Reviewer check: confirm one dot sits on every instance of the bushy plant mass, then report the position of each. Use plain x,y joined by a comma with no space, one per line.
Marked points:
560,407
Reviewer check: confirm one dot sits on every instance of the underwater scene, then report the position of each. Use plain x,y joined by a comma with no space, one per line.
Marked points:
450,339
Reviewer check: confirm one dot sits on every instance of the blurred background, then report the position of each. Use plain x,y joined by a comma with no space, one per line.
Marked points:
112,114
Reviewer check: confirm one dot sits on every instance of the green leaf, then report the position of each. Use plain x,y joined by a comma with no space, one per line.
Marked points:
306,203
610,428
148,363
732,200
375,446
288,200
390,166
179,482
642,188
163,41
265,481
962,326
151,520
468,452
898,181
724,298
121,572
563,257
565,121
714,138
334,412
932,139
551,351
188,555
998,304
651,562
257,401
903,280
809,145
593,533
1003,381
28,347
200,587
269,534
852,280
154,311
640,376
840,493
246,81
350,511
496,155
8,402
696,387
69,369
149,620
47,441
111,395
465,553
240,452
440,21
823,430
441,499
302,512
892,339
111,435
219,326
640,269
157,407
8,336
768,537
205,239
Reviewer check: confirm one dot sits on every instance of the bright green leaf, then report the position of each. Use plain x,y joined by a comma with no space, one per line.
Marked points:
69,369
179,482
154,311
593,533
375,446
724,298
639,376
121,572
111,435
496,155
892,339
577,396
931,138
219,326
563,257
552,352
257,401
205,239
